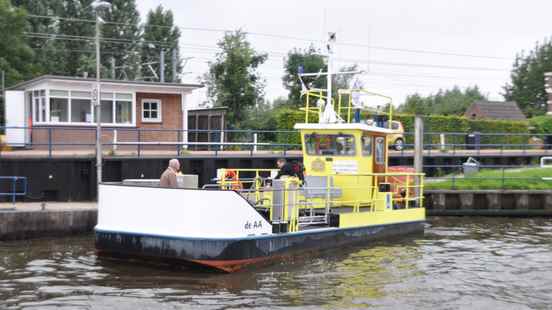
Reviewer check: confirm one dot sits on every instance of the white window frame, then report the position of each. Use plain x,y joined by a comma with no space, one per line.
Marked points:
70,96
159,118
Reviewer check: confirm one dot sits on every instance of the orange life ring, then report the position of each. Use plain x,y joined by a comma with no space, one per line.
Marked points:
235,183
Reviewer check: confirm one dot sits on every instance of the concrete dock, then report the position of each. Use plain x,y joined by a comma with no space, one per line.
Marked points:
33,220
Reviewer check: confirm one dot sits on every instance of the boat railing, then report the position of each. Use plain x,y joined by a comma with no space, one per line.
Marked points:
295,202
348,103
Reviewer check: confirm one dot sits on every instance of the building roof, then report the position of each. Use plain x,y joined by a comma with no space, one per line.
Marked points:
25,84
497,110
343,126
208,109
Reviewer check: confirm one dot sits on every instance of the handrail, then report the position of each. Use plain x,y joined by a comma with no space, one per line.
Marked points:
14,193
251,184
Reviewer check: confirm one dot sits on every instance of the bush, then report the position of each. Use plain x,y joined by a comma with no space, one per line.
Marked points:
541,124
286,118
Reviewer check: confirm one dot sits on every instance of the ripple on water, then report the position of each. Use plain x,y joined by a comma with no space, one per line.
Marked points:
459,263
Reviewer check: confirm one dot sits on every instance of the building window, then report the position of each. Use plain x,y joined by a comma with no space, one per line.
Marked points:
81,111
151,110
123,112
75,107
59,110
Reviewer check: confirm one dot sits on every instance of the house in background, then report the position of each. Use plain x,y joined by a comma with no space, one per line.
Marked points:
59,109
499,110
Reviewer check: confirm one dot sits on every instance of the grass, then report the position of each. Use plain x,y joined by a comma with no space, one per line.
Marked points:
526,179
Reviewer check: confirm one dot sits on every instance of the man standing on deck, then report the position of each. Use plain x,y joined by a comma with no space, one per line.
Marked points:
289,169
168,178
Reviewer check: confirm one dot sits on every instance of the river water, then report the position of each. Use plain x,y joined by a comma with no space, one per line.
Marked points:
459,263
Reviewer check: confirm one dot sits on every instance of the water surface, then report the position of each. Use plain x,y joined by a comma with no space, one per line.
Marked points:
459,263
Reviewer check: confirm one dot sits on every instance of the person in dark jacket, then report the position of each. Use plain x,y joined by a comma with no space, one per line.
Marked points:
289,169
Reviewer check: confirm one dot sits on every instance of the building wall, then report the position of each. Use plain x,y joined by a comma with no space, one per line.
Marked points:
169,129
84,137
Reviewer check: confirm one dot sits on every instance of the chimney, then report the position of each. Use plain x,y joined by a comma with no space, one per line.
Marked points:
548,87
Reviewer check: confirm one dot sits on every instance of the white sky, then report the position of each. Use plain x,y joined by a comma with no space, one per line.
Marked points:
495,28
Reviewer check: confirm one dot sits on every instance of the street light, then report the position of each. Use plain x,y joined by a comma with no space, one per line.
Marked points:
96,95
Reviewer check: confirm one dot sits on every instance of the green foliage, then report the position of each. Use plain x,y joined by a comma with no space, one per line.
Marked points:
541,124
527,79
287,118
453,101
124,25
457,124
15,53
233,80
161,32
73,62
528,179
312,62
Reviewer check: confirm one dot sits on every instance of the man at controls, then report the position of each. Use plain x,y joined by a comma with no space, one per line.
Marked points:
168,177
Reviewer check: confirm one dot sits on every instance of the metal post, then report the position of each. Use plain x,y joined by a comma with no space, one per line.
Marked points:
162,66
49,142
98,108
418,152
329,45
174,65
255,138
115,141
419,144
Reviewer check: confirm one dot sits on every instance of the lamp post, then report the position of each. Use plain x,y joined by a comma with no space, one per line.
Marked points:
96,94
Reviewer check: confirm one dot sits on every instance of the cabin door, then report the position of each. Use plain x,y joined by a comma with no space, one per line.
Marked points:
379,156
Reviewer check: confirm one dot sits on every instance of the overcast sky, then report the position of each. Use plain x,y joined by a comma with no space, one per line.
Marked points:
416,46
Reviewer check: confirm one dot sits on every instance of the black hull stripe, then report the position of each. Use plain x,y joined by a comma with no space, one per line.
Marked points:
244,249
256,237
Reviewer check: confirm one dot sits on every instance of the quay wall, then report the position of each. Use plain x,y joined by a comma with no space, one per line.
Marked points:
22,224
74,178
488,202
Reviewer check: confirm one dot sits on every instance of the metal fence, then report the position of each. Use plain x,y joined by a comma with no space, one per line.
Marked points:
127,141
13,187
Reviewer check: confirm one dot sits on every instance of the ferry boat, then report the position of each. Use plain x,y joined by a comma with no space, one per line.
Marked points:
349,195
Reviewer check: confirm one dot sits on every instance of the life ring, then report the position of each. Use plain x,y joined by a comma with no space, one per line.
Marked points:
234,182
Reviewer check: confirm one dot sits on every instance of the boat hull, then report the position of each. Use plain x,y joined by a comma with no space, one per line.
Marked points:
232,254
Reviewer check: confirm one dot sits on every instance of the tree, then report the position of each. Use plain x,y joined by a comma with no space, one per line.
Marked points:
311,62
233,80
527,79
49,56
78,35
123,24
160,33
453,101
15,53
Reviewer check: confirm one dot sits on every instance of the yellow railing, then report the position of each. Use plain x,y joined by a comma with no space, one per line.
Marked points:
406,192
348,106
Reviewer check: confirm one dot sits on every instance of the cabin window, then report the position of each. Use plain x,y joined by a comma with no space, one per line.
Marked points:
380,150
366,145
330,145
